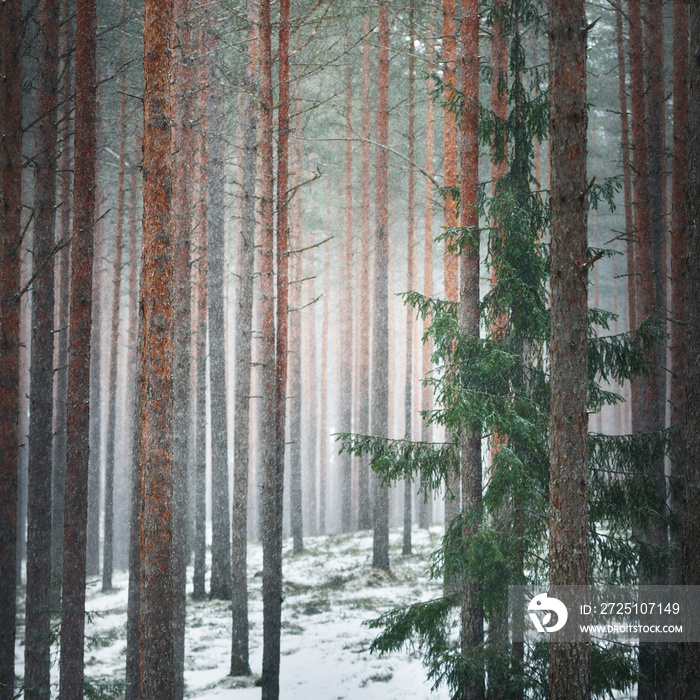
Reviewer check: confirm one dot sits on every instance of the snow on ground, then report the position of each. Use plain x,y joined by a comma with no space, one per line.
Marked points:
329,591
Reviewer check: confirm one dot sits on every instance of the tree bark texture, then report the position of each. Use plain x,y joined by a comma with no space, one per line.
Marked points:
272,356
220,521
568,482
157,678
37,658
65,167
11,33
78,403
451,184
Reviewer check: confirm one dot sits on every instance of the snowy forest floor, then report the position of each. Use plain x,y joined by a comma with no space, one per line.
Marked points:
329,591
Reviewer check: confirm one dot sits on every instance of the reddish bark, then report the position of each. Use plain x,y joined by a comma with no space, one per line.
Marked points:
323,428
157,605
568,482
451,184
78,402
10,241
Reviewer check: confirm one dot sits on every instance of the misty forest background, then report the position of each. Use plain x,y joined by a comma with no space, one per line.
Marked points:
316,162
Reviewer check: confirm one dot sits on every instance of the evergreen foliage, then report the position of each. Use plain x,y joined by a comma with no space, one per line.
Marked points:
500,384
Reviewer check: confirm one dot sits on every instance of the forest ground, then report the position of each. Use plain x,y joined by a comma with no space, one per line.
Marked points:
330,590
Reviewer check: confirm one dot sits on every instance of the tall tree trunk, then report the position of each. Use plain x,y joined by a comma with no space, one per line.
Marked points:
65,168
323,428
200,469
274,340
568,482
426,506
679,244
472,636
295,361
95,456
11,36
410,280
626,170
37,659
158,671
345,345
183,98
78,403
364,509
309,382
642,211
690,576
240,663
380,331
450,155
220,521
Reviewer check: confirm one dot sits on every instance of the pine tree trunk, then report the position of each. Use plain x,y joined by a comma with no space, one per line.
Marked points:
425,511
221,525
274,343
158,673
37,660
95,456
472,636
346,326
568,482
451,275
200,469
380,330
410,281
240,663
295,385
65,167
10,241
690,575
78,403
364,509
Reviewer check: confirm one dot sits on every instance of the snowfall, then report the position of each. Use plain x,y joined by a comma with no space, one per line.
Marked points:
330,592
